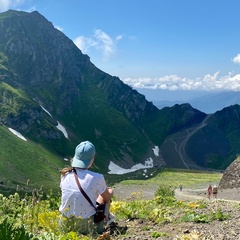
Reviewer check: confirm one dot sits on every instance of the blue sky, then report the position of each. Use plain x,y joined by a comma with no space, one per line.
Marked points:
158,44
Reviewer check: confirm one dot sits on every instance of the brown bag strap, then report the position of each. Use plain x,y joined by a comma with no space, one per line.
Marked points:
80,188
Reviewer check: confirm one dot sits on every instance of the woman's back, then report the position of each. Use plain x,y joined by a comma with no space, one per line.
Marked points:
73,202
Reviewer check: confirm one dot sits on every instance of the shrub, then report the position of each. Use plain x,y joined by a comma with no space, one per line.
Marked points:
164,192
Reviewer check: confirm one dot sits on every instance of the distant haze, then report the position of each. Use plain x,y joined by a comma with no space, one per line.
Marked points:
170,95
205,101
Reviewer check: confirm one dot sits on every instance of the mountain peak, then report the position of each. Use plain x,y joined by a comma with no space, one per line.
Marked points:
13,14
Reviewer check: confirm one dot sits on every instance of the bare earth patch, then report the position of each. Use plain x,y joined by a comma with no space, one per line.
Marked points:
227,201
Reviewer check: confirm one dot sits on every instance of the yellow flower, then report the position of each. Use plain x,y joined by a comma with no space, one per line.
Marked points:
66,209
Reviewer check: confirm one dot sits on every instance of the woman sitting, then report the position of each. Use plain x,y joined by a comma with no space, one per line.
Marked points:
78,213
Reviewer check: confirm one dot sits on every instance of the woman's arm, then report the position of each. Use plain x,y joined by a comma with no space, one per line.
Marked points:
105,196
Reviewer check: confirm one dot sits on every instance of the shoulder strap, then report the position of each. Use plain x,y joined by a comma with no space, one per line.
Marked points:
80,188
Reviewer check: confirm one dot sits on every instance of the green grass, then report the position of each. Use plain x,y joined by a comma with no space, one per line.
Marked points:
12,101
23,160
173,177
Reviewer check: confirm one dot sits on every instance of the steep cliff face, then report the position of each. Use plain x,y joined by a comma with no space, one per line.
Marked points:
44,59
126,100
37,51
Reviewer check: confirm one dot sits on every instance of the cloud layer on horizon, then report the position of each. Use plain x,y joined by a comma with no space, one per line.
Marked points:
173,82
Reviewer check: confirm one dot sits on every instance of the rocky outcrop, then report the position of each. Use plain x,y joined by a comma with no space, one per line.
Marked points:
125,99
231,176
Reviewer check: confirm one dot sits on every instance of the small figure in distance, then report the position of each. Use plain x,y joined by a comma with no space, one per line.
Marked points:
180,187
209,190
77,212
215,191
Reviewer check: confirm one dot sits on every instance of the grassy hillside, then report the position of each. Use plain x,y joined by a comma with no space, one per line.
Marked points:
20,161
173,177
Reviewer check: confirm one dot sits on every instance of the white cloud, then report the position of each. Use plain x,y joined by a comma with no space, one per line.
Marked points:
105,43
99,41
209,82
236,59
119,37
84,43
7,4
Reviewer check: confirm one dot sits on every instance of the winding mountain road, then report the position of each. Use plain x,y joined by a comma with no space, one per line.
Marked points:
180,147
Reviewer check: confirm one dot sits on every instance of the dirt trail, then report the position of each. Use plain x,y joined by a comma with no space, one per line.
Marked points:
190,194
125,192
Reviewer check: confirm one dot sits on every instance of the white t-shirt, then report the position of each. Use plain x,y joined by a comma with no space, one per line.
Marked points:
73,203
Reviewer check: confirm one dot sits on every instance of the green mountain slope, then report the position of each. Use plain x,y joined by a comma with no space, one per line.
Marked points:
24,160
217,144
